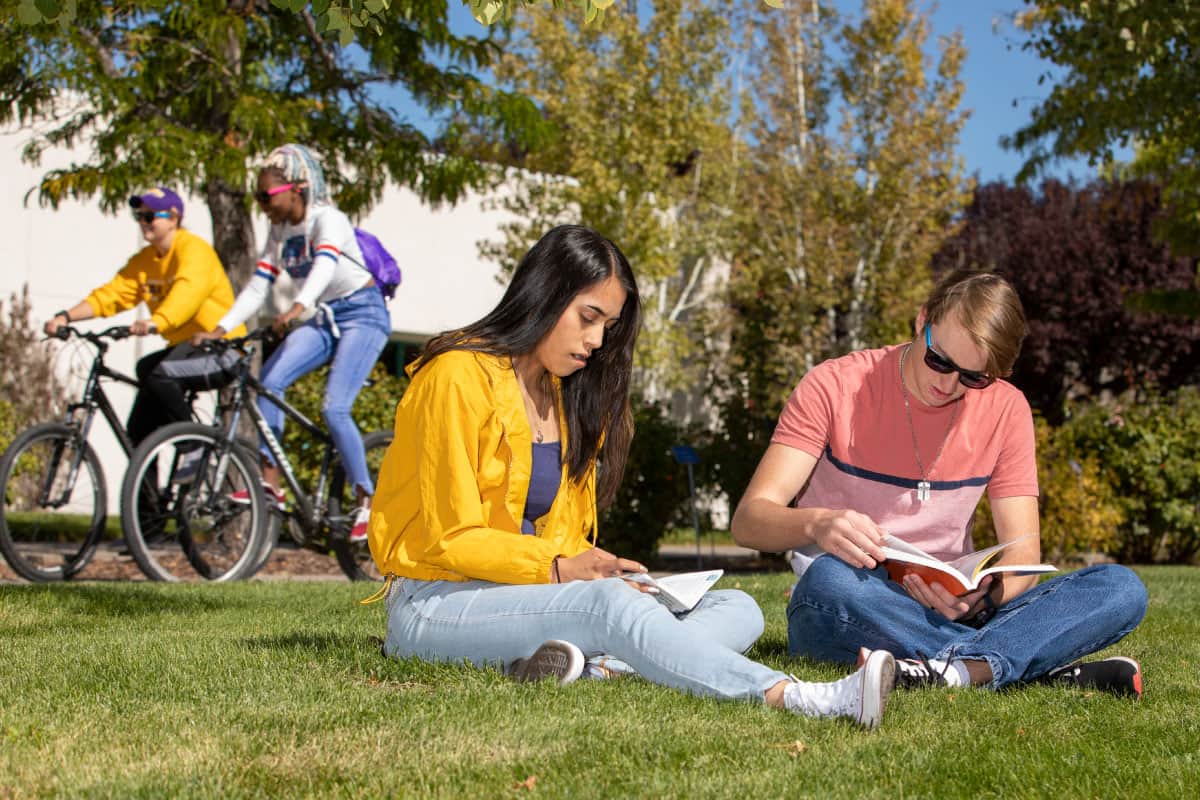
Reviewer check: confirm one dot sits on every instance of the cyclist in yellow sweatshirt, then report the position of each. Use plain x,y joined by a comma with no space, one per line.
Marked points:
180,279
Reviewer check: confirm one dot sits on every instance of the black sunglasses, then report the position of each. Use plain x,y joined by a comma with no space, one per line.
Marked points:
148,216
939,363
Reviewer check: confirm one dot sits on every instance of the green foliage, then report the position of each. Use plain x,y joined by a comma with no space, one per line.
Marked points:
1126,76
643,153
1078,507
194,94
1147,450
29,390
653,497
374,409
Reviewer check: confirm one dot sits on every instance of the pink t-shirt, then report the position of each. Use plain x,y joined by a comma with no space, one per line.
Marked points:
849,413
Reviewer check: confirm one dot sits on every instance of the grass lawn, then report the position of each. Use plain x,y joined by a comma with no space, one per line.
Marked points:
271,689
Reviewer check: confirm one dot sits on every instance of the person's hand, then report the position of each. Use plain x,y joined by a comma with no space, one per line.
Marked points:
281,323
851,536
53,324
142,327
937,598
199,339
594,564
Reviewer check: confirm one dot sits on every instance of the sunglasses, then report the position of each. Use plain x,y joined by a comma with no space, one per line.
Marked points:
939,363
149,216
264,197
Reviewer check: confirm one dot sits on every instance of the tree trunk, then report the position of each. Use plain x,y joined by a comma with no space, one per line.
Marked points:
233,230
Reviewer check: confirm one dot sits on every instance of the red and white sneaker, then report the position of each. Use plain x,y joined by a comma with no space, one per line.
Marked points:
242,496
361,519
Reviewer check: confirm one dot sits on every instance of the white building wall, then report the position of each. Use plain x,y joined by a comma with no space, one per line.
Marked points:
62,255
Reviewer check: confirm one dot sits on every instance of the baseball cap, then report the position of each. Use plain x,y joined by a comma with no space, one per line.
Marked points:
160,198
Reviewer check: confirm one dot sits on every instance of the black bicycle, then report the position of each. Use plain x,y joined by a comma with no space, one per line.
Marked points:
188,489
55,496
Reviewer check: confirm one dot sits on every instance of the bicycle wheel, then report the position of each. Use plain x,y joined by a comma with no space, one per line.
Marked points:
55,503
355,557
191,507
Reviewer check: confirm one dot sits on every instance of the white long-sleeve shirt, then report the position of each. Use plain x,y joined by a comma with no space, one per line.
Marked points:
320,253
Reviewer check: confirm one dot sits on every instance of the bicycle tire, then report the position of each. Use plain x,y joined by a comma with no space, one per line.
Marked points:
31,532
355,557
205,535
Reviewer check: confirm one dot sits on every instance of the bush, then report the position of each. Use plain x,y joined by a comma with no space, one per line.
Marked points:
1078,505
653,497
27,382
374,409
1148,452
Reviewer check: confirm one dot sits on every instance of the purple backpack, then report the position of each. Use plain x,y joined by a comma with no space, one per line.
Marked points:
380,263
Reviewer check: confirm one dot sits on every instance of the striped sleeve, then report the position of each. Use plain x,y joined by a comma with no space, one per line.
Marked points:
266,270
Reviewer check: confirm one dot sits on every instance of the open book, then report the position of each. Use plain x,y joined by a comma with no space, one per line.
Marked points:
680,592
958,576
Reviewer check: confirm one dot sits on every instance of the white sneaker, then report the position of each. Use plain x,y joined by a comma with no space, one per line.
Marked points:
861,696
555,658
362,519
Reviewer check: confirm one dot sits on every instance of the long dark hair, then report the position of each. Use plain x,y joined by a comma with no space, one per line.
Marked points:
566,261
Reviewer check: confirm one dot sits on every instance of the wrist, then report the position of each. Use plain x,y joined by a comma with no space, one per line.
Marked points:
555,576
983,614
66,315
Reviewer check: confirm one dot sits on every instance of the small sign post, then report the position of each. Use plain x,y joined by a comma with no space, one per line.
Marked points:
686,455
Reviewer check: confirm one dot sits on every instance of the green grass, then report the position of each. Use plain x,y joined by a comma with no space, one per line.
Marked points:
28,526
688,536
266,689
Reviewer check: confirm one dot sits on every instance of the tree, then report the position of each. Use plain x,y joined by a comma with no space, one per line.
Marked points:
1074,256
193,93
29,389
643,153
853,184
1130,77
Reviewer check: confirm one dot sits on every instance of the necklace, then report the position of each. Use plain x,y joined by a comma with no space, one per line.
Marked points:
535,416
923,485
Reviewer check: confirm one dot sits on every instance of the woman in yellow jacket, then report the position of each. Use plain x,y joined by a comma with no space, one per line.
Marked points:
485,513
180,279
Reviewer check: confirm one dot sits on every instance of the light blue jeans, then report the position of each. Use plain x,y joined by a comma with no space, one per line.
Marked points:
836,608
364,326
484,623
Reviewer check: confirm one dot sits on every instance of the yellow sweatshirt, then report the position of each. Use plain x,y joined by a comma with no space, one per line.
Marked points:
452,486
186,290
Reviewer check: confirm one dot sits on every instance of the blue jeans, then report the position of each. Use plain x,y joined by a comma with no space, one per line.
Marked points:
363,326
699,652
836,608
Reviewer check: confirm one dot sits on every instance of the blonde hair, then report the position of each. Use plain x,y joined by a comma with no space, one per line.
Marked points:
987,306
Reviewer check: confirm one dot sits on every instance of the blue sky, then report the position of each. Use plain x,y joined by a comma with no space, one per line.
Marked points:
1001,80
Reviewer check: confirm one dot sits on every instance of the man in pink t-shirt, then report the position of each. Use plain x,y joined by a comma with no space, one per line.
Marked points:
904,440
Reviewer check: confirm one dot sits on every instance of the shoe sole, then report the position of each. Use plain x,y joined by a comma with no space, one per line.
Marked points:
879,675
1137,676
556,659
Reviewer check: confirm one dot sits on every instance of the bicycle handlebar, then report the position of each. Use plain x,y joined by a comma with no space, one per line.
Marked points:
239,343
116,333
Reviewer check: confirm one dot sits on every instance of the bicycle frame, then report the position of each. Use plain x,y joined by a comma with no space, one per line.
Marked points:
92,399
310,511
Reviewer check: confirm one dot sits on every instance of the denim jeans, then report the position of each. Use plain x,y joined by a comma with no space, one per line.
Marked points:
699,652
363,325
836,608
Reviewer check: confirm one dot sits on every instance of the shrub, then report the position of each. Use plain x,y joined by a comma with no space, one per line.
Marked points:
654,494
1148,452
1078,505
27,381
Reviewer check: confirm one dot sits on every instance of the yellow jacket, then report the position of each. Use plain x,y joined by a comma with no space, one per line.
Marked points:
186,290
452,486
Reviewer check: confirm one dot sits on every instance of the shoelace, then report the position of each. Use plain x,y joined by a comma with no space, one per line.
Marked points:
922,673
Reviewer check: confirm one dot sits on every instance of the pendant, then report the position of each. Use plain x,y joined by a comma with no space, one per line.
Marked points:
923,491
539,436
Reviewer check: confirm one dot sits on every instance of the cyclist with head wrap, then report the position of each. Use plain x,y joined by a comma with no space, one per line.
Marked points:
314,242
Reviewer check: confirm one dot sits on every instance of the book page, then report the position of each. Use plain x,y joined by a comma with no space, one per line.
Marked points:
972,563
687,588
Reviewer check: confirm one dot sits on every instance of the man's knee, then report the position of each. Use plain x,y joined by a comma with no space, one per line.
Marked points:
828,578
1125,590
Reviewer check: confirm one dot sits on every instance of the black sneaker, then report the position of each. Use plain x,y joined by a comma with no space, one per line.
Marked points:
1120,676
911,673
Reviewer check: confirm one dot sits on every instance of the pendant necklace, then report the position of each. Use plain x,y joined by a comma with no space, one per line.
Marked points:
923,485
531,409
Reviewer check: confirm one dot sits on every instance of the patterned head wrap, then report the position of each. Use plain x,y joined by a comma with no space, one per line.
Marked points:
299,165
